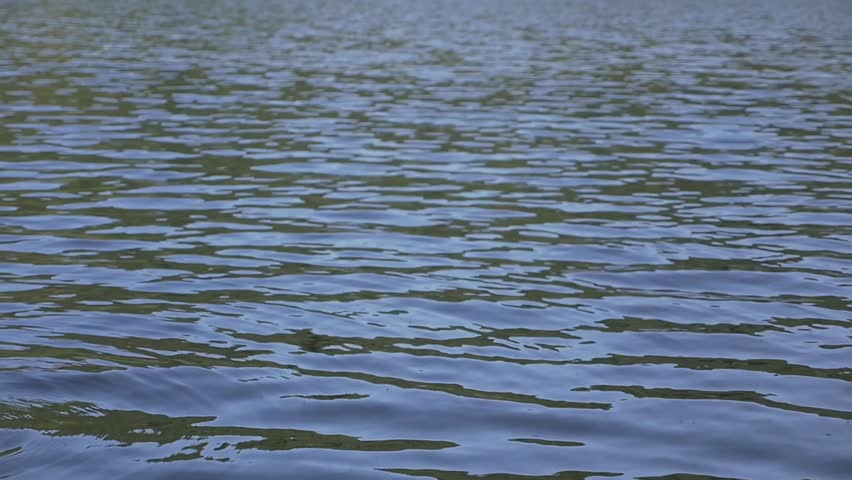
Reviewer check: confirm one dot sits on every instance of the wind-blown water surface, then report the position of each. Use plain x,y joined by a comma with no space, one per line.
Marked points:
394,240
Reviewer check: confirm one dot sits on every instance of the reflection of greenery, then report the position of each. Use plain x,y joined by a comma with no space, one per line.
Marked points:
653,325
129,427
309,341
686,476
777,367
147,352
141,352
553,443
169,353
568,475
738,396
456,389
11,451
457,475
343,396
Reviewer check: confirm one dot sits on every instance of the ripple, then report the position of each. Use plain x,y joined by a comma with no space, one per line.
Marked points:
505,240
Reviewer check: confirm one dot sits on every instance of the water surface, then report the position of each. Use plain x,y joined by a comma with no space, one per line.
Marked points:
394,240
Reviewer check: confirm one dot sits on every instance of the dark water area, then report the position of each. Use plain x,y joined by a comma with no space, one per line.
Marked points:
439,240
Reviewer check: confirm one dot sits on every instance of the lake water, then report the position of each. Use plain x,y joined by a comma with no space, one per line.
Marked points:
440,240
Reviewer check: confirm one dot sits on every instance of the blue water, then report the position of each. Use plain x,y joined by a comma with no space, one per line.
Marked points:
446,240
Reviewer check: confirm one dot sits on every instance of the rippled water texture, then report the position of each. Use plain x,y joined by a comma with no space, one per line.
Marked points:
393,240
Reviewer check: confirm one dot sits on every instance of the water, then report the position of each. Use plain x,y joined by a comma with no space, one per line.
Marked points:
392,240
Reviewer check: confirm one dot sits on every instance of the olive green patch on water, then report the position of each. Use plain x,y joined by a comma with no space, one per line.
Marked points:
130,427
343,396
554,443
687,476
737,396
11,451
460,475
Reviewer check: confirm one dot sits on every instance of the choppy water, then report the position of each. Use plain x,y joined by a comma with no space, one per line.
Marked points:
390,240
